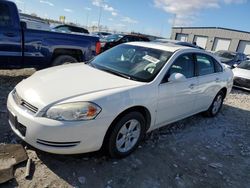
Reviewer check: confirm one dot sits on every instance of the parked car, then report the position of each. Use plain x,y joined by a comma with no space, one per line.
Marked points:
70,29
177,42
114,100
115,39
242,75
102,34
231,59
24,47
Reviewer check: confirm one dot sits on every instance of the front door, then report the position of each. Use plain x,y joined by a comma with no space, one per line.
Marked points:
177,99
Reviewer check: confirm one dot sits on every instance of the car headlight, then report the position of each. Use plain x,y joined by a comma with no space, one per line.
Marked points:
76,111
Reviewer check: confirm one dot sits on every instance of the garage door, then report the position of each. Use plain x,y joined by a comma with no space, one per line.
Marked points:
221,44
244,47
200,41
182,37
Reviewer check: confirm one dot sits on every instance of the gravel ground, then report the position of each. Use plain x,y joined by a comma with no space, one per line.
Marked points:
194,152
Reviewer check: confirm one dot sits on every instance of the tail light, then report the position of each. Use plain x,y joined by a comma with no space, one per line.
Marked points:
98,48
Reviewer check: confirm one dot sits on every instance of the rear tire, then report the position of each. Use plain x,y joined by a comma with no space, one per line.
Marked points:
126,135
216,105
63,59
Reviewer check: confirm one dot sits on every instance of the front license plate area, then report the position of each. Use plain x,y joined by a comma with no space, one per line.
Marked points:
13,119
14,122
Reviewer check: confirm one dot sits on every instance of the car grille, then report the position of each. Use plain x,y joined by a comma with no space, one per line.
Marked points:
242,82
24,103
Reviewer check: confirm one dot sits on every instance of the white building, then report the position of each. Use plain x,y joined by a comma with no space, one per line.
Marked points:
214,38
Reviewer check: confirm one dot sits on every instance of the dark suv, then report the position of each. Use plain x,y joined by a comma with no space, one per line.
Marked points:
115,39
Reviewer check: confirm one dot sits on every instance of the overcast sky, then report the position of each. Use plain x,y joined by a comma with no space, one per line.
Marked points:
146,16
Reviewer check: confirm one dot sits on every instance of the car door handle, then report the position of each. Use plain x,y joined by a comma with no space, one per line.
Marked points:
191,86
9,34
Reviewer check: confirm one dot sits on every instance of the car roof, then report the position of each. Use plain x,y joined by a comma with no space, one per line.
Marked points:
161,46
177,42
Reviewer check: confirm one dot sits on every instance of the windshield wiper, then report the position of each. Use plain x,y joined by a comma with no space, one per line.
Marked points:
116,73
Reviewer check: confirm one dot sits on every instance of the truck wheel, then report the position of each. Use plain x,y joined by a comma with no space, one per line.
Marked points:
63,59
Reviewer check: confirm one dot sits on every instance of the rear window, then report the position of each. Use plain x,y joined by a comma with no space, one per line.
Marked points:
5,16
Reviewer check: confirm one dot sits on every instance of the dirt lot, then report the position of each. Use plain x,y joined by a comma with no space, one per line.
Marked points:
195,152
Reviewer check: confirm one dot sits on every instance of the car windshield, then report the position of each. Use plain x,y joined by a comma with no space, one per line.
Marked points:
244,65
227,55
132,62
112,38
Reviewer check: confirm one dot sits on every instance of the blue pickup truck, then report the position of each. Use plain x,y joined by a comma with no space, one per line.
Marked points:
23,47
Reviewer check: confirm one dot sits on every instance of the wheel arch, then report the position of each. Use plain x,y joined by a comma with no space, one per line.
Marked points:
224,91
76,53
141,109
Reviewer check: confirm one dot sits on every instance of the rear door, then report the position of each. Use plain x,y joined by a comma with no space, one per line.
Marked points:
10,35
209,73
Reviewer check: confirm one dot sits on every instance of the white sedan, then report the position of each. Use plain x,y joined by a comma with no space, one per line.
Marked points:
242,75
115,99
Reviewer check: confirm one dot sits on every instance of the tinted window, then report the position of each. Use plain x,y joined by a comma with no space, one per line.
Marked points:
115,37
128,39
244,65
78,30
205,65
143,39
184,65
5,16
226,54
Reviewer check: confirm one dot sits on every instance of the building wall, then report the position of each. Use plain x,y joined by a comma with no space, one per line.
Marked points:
212,33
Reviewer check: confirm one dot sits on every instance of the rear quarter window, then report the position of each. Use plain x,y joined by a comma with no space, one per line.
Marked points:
5,16
217,66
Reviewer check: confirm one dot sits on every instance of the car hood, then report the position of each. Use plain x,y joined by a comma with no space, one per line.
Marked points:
242,73
64,82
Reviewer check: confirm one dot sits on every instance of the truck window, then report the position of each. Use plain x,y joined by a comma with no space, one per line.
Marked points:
5,16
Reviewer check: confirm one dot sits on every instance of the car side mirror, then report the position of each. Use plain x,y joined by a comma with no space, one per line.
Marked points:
23,25
177,77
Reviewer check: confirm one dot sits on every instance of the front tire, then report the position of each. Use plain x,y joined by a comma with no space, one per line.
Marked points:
216,105
126,135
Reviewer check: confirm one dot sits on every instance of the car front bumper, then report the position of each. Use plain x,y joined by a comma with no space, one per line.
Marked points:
242,83
56,136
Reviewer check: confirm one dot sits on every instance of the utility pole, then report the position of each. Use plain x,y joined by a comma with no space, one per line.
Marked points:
87,21
174,20
100,15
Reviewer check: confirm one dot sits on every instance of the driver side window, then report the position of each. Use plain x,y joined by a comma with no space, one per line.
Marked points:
184,64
